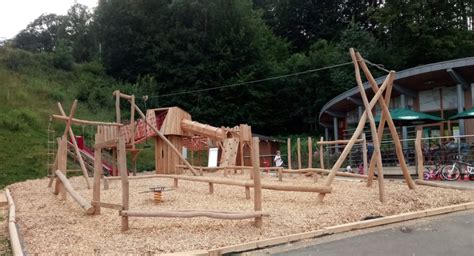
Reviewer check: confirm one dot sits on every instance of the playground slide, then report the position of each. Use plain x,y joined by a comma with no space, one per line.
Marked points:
88,156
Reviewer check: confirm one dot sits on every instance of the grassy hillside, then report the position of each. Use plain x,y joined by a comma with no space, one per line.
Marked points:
31,85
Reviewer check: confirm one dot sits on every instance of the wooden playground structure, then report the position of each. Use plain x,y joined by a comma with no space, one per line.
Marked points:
171,126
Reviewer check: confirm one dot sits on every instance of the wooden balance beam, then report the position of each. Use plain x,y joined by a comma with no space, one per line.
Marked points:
249,184
196,213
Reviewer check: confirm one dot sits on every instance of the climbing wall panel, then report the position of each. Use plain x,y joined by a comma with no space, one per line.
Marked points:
229,152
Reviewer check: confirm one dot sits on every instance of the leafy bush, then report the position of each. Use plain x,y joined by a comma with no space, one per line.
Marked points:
17,60
62,58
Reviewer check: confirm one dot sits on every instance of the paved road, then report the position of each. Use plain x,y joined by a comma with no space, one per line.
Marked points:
451,234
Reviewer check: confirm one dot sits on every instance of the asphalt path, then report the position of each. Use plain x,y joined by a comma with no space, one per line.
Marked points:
450,234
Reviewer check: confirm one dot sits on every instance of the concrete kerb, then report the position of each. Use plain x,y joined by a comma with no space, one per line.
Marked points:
260,244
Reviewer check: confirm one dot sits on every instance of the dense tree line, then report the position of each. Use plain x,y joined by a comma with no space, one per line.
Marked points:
165,47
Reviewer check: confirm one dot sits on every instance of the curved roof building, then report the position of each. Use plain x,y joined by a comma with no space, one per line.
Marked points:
442,89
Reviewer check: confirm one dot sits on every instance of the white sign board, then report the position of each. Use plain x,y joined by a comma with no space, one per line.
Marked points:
213,153
184,152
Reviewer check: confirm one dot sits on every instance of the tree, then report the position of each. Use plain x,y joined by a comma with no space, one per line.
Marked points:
42,34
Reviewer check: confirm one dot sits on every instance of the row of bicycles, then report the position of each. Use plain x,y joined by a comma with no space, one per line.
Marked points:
452,153
459,169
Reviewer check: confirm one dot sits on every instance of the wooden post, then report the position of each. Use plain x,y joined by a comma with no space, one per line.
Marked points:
122,167
62,166
114,162
419,153
355,135
321,153
373,128
97,175
247,192
289,152
211,188
76,149
280,174
117,106
257,184
364,153
391,125
175,183
298,152
310,152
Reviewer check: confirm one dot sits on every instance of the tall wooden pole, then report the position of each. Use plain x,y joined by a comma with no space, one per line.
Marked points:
97,175
391,125
310,152
321,153
373,128
117,107
364,153
298,152
256,180
122,167
289,152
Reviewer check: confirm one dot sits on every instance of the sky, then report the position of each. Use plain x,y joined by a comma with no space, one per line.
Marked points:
15,15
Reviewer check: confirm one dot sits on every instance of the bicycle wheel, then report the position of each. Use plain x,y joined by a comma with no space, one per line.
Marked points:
450,172
426,175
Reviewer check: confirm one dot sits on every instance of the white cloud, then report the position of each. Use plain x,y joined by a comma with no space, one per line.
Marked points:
15,15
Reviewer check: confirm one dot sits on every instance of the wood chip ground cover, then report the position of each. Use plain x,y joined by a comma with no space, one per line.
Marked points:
50,226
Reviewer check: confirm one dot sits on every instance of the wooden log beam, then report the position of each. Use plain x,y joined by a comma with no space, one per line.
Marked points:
203,129
334,142
442,185
117,93
373,127
84,122
238,183
108,205
325,171
89,209
194,214
355,136
12,230
391,125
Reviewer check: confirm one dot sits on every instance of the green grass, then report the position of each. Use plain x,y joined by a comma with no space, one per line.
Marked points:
30,90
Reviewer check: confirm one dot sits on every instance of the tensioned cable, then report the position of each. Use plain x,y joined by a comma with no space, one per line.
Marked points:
379,66
253,81
266,79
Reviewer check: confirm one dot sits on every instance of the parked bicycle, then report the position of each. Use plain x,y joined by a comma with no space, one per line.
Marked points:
433,172
458,169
